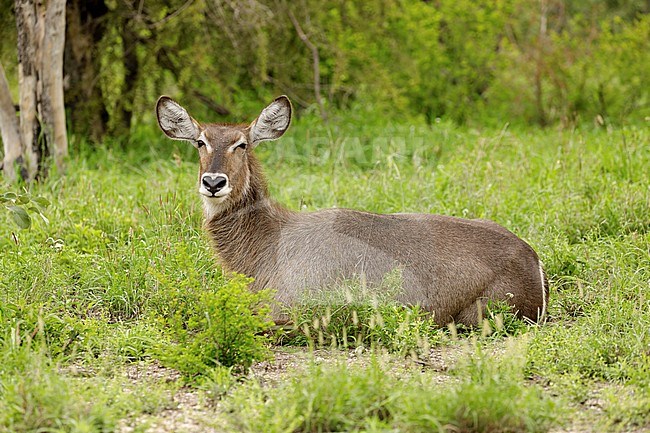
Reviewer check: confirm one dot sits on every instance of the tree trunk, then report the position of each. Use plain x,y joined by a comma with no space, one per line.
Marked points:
10,129
52,107
42,130
27,24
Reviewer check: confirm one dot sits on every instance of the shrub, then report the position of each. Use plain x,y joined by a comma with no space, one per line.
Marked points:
208,328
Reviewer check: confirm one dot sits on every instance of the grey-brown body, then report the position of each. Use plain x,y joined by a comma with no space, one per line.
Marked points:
449,266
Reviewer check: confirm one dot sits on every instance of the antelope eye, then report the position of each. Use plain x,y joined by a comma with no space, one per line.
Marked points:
200,143
241,145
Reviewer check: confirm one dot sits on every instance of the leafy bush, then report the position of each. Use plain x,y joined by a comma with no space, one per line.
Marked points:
21,205
214,327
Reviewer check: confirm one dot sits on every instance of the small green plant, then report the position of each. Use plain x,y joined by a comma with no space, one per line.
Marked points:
211,328
22,206
501,321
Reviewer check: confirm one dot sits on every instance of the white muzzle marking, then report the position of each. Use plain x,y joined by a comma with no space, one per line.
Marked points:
221,193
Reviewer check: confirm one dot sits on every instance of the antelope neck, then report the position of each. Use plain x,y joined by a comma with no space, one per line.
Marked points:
245,233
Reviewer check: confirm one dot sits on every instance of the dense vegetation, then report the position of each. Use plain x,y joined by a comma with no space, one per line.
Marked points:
478,62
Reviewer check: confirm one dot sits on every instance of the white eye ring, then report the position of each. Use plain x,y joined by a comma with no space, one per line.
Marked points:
200,143
241,143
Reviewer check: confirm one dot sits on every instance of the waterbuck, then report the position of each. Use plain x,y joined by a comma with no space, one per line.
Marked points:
449,266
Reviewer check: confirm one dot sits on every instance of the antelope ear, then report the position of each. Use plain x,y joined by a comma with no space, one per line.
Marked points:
272,122
174,120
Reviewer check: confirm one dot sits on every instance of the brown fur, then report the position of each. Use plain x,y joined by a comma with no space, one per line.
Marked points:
449,266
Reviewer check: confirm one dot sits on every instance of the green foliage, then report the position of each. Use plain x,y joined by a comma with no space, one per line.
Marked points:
581,69
26,322
19,206
488,397
501,321
354,315
100,279
475,62
212,328
35,397
627,409
612,320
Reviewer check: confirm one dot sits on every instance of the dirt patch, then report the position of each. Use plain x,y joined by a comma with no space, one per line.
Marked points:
184,411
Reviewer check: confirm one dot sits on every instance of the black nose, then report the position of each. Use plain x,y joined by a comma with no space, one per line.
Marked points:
214,184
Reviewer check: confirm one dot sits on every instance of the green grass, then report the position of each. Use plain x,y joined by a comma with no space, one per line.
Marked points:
36,396
485,395
351,315
100,285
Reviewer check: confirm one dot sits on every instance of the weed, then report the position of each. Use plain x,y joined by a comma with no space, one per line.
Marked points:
501,321
22,206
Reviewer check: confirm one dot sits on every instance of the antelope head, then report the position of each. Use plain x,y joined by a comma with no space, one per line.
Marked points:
224,149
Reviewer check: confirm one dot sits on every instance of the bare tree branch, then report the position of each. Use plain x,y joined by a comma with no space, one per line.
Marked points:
173,14
210,103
